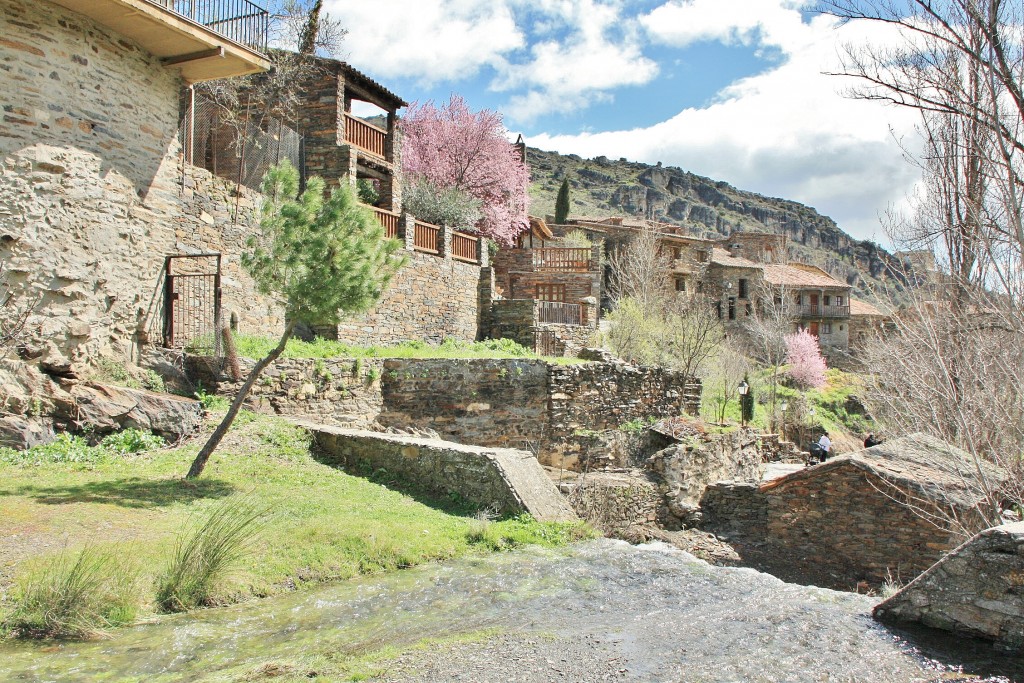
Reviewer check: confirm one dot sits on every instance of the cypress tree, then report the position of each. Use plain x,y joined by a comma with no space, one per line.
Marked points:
562,203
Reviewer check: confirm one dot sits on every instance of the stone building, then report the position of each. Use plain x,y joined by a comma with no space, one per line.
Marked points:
888,511
94,192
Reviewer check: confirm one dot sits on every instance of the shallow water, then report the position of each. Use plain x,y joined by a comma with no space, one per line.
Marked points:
669,617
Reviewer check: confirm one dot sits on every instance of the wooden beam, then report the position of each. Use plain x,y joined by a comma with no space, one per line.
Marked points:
193,56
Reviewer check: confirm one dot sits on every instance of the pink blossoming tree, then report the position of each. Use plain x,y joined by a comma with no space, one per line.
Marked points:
453,147
806,364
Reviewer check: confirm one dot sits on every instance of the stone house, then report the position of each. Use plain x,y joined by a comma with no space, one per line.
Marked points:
891,510
95,195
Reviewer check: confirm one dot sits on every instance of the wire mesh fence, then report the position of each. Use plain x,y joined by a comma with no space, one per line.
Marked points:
240,151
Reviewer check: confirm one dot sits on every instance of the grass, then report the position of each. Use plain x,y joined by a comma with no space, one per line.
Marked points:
68,448
258,347
325,525
74,595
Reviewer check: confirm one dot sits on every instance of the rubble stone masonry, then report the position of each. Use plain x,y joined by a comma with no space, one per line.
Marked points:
92,193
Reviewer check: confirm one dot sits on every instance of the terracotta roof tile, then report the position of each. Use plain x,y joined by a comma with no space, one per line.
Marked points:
722,257
800,275
858,307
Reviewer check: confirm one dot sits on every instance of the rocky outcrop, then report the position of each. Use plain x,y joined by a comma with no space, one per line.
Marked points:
20,432
109,408
976,590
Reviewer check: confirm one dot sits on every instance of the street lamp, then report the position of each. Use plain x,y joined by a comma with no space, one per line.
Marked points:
746,403
784,406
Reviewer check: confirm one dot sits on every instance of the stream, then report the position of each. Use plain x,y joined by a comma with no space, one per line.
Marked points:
603,610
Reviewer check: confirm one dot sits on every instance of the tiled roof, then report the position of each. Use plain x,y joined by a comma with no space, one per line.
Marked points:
539,228
722,257
800,275
858,307
367,81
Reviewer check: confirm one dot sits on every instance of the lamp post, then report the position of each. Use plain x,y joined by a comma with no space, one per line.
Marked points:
746,402
783,406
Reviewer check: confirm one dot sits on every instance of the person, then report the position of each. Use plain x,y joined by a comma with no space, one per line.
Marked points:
826,446
872,440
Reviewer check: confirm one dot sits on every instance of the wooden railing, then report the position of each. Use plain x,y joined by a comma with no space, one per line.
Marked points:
562,260
425,237
389,220
465,247
363,135
820,310
559,313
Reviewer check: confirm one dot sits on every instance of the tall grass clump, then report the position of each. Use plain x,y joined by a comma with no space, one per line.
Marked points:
205,554
74,595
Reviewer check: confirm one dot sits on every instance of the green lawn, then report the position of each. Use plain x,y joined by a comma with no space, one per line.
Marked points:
322,524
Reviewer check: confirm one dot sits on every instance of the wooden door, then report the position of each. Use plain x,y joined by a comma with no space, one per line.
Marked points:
813,329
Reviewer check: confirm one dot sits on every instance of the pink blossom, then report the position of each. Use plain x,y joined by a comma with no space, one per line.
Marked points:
803,356
450,146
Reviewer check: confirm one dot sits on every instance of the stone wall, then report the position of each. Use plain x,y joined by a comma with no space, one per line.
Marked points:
92,192
735,509
502,479
335,391
430,298
511,402
616,504
516,319
977,590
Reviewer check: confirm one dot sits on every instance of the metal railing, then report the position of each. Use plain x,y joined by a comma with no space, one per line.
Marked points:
425,237
558,313
363,135
465,247
241,21
389,220
562,259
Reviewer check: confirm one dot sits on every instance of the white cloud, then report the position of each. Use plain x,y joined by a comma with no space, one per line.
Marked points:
787,132
431,40
596,49
682,22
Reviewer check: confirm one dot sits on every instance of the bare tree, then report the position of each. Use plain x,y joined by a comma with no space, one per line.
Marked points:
766,332
721,378
652,323
15,309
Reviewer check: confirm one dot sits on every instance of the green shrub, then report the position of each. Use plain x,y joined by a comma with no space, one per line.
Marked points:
65,448
74,596
212,401
205,553
154,382
637,426
132,441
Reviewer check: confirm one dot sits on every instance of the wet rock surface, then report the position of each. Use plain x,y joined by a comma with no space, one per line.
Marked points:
601,611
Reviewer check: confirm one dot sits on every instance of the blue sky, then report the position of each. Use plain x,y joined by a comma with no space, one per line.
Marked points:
731,89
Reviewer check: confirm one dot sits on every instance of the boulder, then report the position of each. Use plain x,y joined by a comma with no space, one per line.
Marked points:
20,432
109,408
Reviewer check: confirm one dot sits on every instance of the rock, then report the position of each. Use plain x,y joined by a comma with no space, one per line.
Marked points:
108,408
19,432
79,328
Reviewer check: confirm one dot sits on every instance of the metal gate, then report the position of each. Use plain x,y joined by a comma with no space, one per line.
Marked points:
545,343
192,303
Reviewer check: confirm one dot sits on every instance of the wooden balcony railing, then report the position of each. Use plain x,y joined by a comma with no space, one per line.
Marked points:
389,220
425,237
562,260
822,311
364,136
465,247
558,313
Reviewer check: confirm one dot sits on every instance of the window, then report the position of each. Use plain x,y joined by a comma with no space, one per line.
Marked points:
702,256
769,255
550,292
839,301
732,308
796,299
826,328
825,299
743,288
680,284
749,308
718,309
676,252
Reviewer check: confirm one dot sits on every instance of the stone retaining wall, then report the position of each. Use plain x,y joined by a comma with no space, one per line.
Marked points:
977,590
502,479
337,391
735,509
616,504
550,408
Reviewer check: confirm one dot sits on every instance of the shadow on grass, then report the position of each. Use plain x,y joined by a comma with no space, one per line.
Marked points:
132,492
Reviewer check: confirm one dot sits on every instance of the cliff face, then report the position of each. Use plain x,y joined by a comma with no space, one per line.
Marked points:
601,187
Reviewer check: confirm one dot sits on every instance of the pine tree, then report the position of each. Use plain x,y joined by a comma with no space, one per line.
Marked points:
323,256
562,203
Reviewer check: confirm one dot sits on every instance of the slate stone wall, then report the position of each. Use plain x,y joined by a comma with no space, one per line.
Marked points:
977,590
93,195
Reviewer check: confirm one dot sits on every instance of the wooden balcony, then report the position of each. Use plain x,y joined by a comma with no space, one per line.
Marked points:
389,220
426,237
364,136
559,313
465,247
821,311
562,260
205,39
